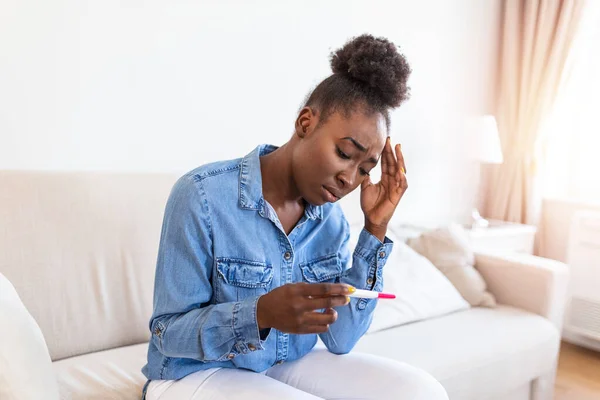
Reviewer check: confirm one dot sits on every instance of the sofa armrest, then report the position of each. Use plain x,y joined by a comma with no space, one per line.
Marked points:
25,367
535,284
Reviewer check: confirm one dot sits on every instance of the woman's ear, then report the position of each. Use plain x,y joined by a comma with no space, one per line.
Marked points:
305,122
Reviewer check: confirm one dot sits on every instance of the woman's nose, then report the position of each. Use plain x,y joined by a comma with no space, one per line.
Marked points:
345,182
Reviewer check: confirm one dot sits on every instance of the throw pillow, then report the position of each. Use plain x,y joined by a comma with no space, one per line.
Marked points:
421,290
449,250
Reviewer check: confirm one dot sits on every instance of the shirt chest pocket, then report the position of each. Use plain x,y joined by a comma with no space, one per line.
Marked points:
239,279
322,269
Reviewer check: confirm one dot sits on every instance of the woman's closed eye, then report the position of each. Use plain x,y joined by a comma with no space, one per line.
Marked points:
347,157
342,154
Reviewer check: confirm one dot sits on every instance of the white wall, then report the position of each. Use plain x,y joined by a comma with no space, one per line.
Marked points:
168,85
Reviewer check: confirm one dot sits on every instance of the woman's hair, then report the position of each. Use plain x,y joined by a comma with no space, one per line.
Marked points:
368,72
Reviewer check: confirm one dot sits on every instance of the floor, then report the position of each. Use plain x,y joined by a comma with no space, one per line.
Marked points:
578,376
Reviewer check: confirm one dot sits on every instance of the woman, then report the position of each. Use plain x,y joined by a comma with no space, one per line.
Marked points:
254,260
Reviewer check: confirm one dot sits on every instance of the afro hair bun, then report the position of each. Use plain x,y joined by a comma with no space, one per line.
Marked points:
376,64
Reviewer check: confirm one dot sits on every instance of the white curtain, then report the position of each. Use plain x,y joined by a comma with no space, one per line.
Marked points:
571,136
536,40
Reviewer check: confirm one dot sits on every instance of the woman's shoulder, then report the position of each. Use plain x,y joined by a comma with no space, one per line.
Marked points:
214,169
219,174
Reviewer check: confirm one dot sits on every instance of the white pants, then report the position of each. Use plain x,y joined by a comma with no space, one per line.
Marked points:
318,375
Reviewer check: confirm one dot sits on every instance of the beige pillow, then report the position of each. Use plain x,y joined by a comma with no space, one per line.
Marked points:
450,251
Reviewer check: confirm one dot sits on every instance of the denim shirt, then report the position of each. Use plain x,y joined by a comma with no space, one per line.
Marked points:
222,246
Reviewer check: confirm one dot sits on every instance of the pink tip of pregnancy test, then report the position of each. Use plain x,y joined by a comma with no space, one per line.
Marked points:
386,296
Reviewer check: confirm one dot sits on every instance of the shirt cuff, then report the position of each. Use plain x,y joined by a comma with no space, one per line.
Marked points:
370,248
245,326
375,254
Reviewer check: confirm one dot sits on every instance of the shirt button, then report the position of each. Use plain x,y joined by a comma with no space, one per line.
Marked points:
382,254
230,356
287,255
251,347
279,362
370,281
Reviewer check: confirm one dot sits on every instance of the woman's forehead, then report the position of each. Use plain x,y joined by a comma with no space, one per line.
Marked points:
368,130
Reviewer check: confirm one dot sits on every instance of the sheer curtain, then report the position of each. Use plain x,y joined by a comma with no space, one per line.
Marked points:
570,144
537,36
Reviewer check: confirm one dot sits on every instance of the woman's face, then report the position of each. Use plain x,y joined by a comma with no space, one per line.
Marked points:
332,159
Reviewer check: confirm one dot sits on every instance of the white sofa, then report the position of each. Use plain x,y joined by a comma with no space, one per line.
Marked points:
80,249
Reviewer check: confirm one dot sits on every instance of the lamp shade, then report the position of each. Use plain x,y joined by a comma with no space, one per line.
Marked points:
485,144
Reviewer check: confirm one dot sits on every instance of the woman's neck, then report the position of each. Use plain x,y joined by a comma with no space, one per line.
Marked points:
278,185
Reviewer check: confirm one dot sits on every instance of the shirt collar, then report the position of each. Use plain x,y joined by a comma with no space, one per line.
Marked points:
250,193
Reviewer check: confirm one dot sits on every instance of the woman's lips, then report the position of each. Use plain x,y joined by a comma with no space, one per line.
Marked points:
330,197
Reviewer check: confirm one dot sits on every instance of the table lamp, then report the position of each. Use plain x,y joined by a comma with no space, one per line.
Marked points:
485,148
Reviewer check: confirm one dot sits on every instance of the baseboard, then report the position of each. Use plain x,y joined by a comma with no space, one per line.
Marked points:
580,340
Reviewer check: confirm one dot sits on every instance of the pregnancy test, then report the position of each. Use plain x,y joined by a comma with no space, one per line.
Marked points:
368,294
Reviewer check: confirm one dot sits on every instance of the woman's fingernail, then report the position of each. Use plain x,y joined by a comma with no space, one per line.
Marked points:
403,171
347,299
351,289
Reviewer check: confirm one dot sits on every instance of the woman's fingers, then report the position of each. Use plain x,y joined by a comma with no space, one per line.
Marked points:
400,158
321,289
390,163
393,168
312,329
384,158
317,322
326,302
320,318
366,183
401,172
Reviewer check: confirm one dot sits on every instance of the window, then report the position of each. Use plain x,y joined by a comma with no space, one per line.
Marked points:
570,141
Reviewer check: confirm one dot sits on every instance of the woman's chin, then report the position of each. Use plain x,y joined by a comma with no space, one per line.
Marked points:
314,201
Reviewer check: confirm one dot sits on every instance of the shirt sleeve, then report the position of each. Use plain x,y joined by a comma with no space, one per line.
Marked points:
366,272
183,323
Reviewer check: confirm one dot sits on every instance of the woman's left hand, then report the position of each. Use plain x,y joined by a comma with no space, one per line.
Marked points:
378,201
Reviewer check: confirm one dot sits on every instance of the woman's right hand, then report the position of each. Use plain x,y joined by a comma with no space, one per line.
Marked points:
291,308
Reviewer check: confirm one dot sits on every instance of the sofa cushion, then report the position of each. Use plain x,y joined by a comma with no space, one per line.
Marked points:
80,249
110,374
479,353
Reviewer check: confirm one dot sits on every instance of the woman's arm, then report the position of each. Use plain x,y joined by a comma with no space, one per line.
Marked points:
183,323
378,202
354,319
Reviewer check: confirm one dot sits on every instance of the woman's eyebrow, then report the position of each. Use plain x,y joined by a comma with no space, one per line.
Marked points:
358,145
361,148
